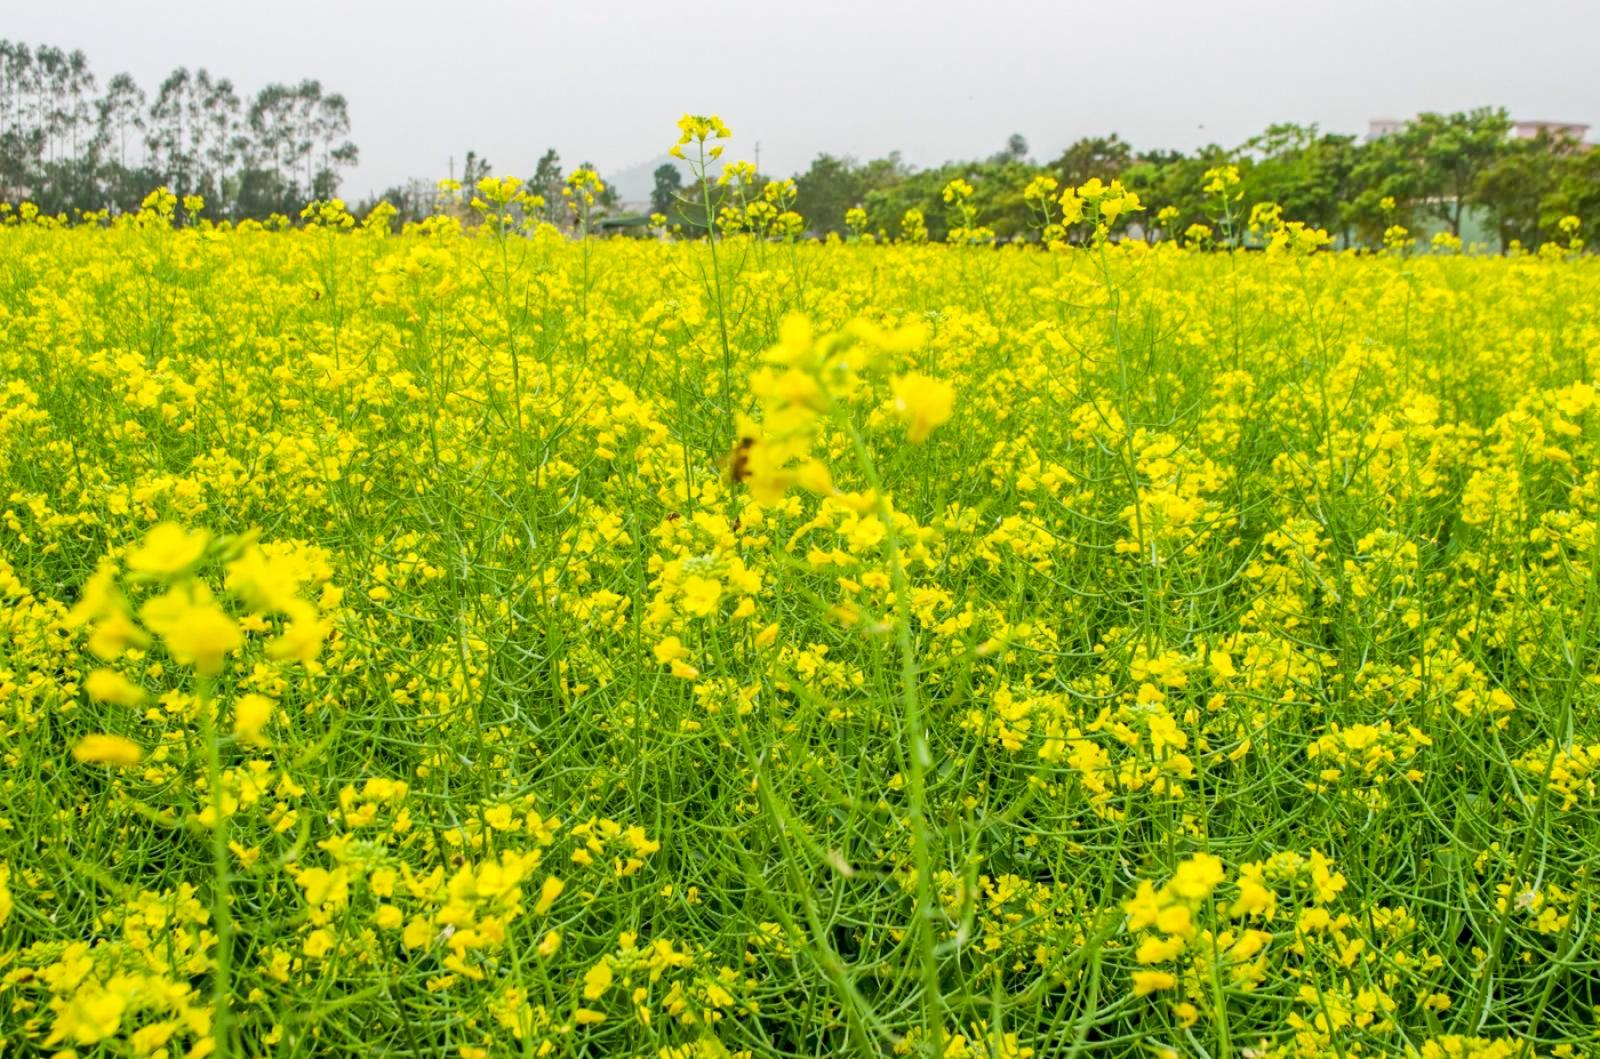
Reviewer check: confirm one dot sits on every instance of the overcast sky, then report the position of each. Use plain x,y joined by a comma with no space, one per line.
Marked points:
937,79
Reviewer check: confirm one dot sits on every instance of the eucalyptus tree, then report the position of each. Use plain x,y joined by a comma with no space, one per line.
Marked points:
219,107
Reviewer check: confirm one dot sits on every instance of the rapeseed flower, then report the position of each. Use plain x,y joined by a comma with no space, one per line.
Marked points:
108,750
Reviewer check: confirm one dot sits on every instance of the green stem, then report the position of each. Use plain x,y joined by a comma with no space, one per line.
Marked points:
221,914
716,282
921,759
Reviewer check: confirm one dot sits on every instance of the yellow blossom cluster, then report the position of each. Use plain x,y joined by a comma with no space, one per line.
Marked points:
482,637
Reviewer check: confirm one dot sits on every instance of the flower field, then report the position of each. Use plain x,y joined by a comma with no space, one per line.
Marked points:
480,642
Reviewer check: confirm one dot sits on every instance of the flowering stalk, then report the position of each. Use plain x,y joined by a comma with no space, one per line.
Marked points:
209,708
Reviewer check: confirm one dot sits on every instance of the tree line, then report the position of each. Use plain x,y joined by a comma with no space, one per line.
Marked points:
1437,172
67,143
419,198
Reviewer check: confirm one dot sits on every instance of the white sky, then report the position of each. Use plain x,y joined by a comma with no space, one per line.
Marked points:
937,79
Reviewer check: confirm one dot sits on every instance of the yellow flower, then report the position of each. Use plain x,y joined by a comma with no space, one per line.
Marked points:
302,637
107,685
323,887
250,715
114,635
697,127
1312,920
547,895
195,629
151,1039
264,582
319,943
1143,907
922,403
168,549
1220,179
93,1014
670,650
5,894
596,981
1158,950
1176,920
98,598
1197,876
1071,206
1040,188
958,190
418,933
1254,899
701,595
108,750
1146,982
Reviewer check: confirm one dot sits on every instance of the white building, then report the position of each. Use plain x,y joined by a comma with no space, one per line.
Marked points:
1378,128
1572,130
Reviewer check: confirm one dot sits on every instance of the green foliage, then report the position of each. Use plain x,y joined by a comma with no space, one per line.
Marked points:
1307,172
835,184
66,145
1515,187
1430,173
1443,156
668,183
64,148
1161,650
1093,156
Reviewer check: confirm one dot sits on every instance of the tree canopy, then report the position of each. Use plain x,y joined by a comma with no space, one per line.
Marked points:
67,144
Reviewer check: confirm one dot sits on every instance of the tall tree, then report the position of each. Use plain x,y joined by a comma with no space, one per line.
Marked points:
331,124
169,138
307,100
668,184
546,179
78,108
1092,156
1304,170
122,114
834,184
216,121
50,78
271,121
474,169
20,136
1446,154
1577,192
1515,186
66,147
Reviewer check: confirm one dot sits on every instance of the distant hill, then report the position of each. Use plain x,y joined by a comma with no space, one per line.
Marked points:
635,183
